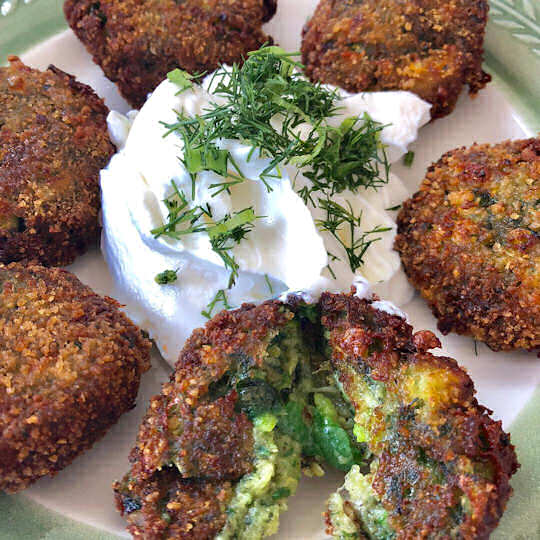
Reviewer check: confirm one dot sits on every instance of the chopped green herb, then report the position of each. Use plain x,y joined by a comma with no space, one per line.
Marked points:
269,86
226,233
408,158
223,234
221,297
180,214
267,279
181,78
338,216
393,208
166,277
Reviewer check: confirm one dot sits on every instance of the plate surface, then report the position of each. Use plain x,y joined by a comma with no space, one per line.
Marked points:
505,381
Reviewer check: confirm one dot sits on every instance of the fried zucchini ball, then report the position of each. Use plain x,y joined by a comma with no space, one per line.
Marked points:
430,47
469,242
70,366
137,43
208,460
53,143
437,465
262,392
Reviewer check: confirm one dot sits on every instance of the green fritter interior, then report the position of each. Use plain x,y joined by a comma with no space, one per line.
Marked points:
300,420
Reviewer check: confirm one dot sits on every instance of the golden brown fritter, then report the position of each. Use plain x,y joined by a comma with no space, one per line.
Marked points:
53,143
70,365
469,241
432,459
137,43
440,465
200,441
430,47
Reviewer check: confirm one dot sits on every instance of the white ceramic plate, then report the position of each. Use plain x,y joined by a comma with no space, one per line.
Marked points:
505,381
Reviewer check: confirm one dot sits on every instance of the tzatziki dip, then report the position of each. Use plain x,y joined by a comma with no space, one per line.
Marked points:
247,183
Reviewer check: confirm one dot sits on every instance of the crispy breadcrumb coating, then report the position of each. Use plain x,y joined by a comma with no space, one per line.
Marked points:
430,47
201,443
440,465
70,366
53,143
137,43
469,242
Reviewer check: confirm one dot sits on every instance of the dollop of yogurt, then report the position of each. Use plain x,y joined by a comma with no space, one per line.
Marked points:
284,251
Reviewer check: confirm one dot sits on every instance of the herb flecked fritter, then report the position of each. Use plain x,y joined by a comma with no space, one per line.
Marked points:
137,43
469,242
439,466
262,391
53,143
70,366
430,47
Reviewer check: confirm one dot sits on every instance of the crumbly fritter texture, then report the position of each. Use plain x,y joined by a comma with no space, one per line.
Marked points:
441,465
53,143
469,242
137,43
194,436
70,365
430,47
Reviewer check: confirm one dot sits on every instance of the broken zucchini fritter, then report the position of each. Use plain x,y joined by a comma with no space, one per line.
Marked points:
209,435
469,241
439,466
430,47
263,392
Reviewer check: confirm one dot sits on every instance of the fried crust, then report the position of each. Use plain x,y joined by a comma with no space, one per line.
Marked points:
53,143
433,443
430,47
137,43
469,242
200,441
70,366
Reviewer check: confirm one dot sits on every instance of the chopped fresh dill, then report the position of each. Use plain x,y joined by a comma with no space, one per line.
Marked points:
221,297
179,213
332,273
408,158
393,208
270,106
226,233
166,277
223,233
338,216
181,78
267,279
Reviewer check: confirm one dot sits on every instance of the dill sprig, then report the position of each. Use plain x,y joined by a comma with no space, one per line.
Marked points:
226,233
220,297
269,105
223,233
179,213
337,216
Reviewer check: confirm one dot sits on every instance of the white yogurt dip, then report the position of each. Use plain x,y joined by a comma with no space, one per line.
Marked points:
284,251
